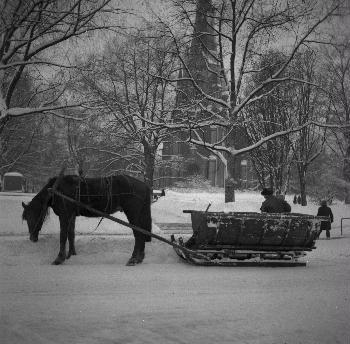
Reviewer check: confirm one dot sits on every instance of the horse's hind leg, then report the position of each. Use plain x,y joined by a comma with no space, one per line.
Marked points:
64,226
71,238
141,218
138,253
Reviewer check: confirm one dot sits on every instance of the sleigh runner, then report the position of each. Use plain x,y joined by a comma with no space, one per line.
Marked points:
243,238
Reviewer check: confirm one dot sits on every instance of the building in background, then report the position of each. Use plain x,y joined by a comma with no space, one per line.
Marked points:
205,70
13,182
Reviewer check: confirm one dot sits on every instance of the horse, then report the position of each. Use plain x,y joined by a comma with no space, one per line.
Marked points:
106,194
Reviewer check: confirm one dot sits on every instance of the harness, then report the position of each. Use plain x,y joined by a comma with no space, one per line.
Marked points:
107,191
107,188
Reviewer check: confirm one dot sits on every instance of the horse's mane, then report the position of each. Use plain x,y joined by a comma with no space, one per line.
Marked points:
41,200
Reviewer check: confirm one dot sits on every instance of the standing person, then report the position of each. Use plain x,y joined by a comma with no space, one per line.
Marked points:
273,204
324,210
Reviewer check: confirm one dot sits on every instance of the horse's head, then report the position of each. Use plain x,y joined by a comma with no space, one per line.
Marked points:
34,213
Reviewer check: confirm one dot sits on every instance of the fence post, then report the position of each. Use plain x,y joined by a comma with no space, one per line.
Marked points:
341,224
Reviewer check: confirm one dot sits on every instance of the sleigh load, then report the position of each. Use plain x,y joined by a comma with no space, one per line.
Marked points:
247,238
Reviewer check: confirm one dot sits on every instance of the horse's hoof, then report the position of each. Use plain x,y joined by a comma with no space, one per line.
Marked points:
58,261
141,257
73,253
129,263
133,261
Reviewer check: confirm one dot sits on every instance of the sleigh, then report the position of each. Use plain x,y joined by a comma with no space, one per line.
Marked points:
247,238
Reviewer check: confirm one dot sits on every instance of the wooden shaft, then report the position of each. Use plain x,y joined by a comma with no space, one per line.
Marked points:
127,224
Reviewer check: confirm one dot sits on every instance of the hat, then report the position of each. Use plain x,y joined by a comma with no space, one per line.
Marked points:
266,192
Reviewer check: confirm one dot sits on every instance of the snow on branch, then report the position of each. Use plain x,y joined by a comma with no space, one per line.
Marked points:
20,112
234,152
37,62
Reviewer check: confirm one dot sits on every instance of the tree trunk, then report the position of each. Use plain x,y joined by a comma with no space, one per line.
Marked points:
346,175
229,190
149,156
149,171
231,179
302,182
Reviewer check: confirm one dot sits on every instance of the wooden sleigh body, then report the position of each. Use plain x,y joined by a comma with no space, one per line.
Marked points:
247,238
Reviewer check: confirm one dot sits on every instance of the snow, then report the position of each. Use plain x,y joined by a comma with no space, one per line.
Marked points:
95,298
13,174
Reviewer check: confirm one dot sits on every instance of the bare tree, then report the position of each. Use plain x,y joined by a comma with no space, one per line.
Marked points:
19,135
29,31
242,30
338,73
289,105
308,104
129,86
272,113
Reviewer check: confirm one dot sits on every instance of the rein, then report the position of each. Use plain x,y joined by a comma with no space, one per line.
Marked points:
94,230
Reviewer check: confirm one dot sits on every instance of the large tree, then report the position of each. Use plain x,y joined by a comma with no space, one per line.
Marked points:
337,71
270,114
129,87
286,106
31,33
243,30
309,103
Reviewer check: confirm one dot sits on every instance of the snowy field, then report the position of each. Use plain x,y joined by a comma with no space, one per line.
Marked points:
95,298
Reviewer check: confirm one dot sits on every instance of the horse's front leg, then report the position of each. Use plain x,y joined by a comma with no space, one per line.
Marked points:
64,228
71,238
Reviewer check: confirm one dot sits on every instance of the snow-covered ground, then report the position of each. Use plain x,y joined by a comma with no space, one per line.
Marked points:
95,298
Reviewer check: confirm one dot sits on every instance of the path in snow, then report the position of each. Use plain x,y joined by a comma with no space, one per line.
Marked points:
95,298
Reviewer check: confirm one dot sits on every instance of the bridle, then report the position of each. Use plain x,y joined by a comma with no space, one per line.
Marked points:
44,207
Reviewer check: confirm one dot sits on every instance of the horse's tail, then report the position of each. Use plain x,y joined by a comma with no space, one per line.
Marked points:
145,219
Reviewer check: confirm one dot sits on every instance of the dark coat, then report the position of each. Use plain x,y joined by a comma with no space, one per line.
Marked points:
274,204
325,211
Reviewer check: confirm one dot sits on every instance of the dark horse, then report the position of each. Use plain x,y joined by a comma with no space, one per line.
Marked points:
107,194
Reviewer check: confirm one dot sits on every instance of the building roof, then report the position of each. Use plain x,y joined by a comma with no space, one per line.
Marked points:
13,174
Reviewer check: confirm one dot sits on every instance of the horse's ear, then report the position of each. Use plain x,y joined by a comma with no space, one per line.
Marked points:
24,205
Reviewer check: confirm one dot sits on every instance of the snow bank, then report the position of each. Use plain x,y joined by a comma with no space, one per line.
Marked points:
168,209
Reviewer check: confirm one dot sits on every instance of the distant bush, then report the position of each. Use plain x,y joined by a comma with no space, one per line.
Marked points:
196,182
